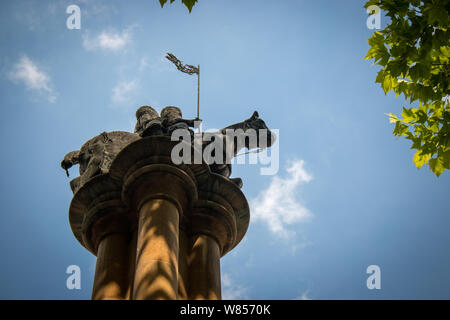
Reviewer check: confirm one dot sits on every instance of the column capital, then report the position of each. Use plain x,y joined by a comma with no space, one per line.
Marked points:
147,171
97,210
159,181
221,212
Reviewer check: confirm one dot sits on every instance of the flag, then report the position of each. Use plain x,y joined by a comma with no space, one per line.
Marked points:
187,68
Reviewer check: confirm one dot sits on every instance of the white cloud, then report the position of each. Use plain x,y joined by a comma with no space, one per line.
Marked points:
97,9
301,245
26,71
232,291
143,64
278,205
123,91
304,296
108,40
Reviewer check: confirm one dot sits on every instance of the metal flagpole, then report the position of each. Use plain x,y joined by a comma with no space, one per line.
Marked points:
198,96
198,93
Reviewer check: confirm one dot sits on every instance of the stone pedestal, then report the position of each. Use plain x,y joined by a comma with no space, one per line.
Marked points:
158,229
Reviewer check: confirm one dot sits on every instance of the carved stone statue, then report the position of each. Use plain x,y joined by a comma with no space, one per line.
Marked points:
249,132
96,155
172,119
148,122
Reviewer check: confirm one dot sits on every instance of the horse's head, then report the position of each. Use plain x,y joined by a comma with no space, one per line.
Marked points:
256,123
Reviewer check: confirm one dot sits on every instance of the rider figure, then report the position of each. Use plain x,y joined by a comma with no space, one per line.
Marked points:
148,122
172,119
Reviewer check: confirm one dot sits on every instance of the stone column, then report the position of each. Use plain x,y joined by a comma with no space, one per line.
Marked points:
218,221
212,227
159,205
132,259
111,281
101,223
157,251
204,271
183,271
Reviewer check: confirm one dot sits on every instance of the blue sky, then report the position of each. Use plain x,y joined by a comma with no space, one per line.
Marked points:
347,194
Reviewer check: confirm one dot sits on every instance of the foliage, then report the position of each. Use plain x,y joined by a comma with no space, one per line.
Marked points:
413,51
188,3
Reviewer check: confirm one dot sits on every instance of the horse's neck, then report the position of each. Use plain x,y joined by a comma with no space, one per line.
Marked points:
240,125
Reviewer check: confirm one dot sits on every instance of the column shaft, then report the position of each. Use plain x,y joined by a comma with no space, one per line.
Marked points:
156,273
204,269
111,281
183,276
132,262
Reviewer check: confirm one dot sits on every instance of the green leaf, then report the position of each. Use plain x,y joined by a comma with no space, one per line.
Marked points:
400,129
436,166
438,14
392,118
420,159
387,84
189,4
446,159
408,115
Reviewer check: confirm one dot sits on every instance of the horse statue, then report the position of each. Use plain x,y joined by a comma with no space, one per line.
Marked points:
252,134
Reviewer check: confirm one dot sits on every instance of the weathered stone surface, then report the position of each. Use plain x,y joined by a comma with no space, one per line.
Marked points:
96,155
148,122
246,131
173,120
222,207
204,269
103,225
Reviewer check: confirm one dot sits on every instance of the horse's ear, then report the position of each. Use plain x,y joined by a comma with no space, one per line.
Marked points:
255,115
